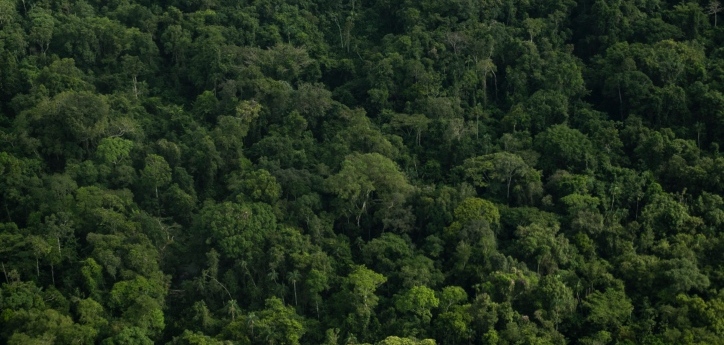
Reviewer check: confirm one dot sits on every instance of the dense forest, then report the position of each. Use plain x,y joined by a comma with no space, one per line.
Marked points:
348,172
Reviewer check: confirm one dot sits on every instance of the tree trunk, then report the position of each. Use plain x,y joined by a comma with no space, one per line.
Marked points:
620,102
7,211
510,179
135,86
485,90
339,27
250,276
495,79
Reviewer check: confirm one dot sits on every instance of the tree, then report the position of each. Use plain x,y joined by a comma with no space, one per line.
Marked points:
454,325
419,300
279,324
562,147
7,11
355,133
317,282
258,185
251,320
363,283
451,295
714,8
239,230
42,30
665,215
416,124
128,336
557,299
176,42
67,120
196,338
42,327
504,169
472,210
542,246
91,313
133,66
368,178
293,277
386,253
155,174
393,340
680,276
609,309
230,131
174,171
113,150
232,308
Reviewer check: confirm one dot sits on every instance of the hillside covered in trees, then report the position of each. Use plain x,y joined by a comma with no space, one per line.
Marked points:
361,171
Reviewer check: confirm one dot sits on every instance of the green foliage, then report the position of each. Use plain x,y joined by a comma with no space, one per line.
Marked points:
113,150
368,179
194,338
258,185
542,246
127,336
306,172
504,171
279,323
564,147
363,283
419,300
665,215
608,310
393,340
237,229
69,123
471,210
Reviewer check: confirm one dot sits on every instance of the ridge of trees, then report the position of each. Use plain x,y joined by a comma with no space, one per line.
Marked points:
344,172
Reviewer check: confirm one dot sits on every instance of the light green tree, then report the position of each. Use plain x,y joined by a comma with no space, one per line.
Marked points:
280,324
420,300
368,179
363,283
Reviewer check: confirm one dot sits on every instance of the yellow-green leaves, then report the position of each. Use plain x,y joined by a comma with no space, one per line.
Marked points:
419,300
363,283
113,150
393,340
280,324
608,310
471,210
368,179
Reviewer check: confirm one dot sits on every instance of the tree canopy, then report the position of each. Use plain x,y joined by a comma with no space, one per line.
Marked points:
345,172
